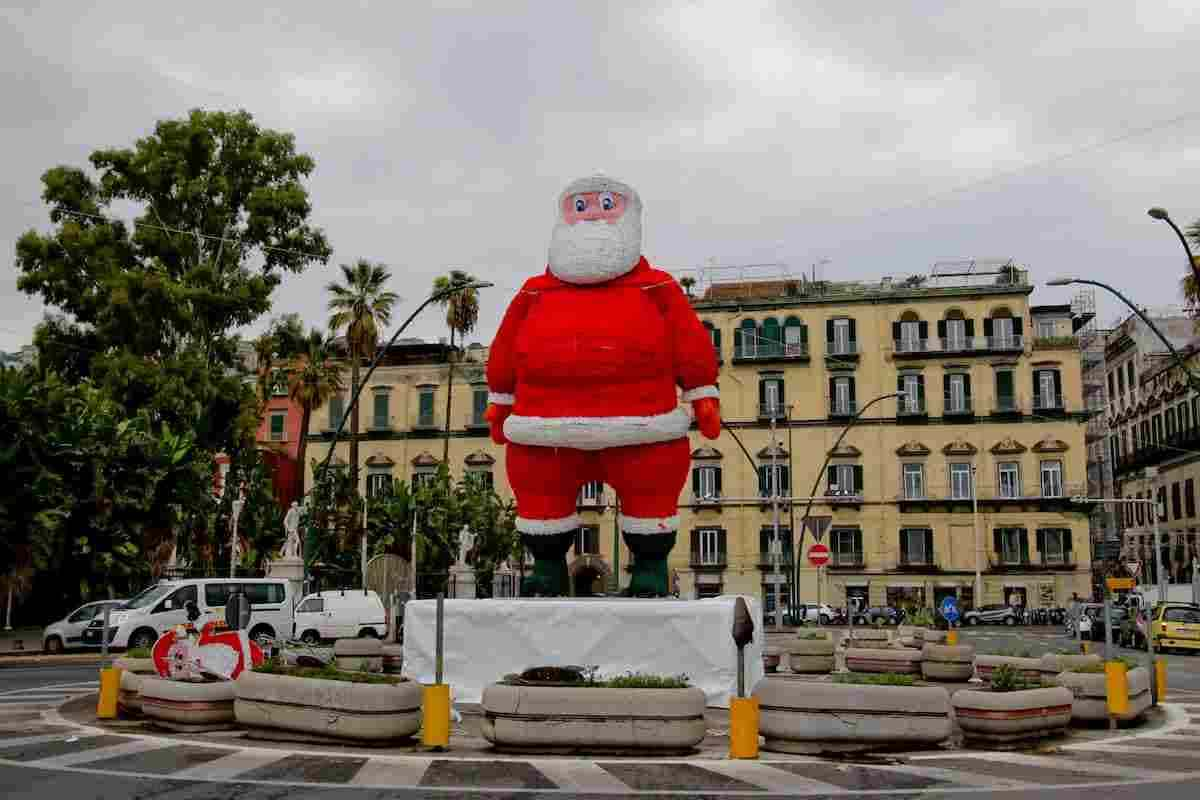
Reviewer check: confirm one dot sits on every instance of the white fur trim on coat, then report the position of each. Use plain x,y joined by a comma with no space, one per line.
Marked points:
597,433
648,524
548,527
699,392
501,399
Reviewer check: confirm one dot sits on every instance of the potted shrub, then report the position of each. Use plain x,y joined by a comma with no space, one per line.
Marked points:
328,703
1087,683
1012,709
570,710
854,713
811,652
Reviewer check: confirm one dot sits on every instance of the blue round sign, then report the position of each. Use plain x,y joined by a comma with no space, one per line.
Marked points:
950,609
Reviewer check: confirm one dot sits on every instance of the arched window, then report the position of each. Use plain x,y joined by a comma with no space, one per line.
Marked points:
745,339
795,337
956,332
1003,330
770,338
714,333
910,334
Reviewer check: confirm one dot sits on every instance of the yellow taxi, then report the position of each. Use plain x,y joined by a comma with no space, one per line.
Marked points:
1177,626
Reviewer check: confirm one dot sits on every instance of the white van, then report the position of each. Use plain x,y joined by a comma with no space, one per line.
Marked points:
339,614
153,612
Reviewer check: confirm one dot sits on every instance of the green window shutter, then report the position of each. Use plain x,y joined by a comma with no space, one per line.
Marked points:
804,336
946,386
1024,538
920,391
853,331
772,336
851,380
929,544
695,481
900,384
895,331
829,332
1041,542
858,479
1004,383
998,541
785,478
941,329
277,421
425,408
717,479
970,326
479,406
716,337
1017,328
381,410
1058,395
1066,534
336,411
830,478
763,490
967,385
695,545
922,330
987,326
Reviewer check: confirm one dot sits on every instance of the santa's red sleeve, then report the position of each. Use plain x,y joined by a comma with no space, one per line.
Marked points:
502,356
692,350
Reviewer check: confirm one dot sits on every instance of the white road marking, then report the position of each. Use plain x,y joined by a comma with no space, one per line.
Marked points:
392,772
1085,767
764,776
98,754
10,744
580,776
232,765
928,768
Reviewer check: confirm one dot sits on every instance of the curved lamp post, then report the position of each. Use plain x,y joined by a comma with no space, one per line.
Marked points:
1162,215
433,298
1191,377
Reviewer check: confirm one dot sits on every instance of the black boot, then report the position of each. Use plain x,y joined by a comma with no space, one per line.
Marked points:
549,578
650,551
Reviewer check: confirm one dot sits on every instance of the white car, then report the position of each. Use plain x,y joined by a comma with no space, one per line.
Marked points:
68,631
339,614
821,613
153,612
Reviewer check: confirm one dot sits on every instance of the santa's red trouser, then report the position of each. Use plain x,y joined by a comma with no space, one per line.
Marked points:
646,477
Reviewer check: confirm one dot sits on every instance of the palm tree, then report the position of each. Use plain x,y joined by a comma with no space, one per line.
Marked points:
312,381
361,307
462,312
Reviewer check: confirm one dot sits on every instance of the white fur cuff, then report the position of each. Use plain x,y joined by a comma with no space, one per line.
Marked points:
597,433
699,392
501,399
548,527
648,524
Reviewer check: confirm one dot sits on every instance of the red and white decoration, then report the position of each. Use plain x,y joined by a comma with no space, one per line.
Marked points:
589,369
179,656
818,555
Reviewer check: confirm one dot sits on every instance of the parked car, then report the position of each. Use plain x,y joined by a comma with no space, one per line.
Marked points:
877,614
997,614
821,613
68,631
1176,626
339,614
1096,613
141,620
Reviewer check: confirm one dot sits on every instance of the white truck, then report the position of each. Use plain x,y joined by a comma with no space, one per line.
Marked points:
1146,595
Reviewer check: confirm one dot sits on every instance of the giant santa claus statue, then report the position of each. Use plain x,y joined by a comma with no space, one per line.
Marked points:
597,373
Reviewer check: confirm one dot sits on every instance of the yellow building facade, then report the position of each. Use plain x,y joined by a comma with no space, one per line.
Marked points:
971,468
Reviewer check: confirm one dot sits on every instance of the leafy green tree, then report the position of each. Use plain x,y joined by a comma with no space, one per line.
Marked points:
313,378
462,314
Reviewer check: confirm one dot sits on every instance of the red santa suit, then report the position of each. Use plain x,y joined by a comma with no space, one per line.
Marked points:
588,377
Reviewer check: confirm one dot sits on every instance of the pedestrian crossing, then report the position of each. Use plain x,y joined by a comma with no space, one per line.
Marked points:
43,739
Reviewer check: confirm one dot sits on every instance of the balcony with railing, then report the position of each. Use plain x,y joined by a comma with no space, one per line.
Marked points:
843,497
712,499
910,406
911,346
1171,447
759,349
474,421
842,350
957,345
1048,402
708,559
845,559
959,405
1039,562
840,409
915,562
1006,405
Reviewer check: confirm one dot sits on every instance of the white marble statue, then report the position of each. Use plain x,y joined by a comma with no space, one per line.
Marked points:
466,540
291,524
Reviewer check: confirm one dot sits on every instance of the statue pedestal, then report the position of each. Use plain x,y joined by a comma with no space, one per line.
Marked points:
291,569
462,582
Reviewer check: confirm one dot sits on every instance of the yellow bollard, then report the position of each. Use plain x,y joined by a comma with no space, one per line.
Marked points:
110,687
1160,678
951,637
435,715
743,727
1083,646
1116,686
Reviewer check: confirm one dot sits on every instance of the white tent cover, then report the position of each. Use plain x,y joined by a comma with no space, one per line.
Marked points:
488,639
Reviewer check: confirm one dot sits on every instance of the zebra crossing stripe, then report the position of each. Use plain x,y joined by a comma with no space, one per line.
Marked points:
391,772
580,776
767,777
100,753
232,765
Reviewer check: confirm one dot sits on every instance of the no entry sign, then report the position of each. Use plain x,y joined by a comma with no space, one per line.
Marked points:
818,555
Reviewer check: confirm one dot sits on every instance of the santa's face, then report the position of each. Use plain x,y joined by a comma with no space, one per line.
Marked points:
598,237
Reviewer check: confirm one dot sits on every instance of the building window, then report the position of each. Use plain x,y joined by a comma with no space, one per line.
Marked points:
795,337
1045,328
1120,382
423,476
841,396
279,383
1189,498
774,479
337,410
1052,479
706,483
916,546
480,478
956,334
1048,392
1131,380
1161,503
956,389
1054,544
592,494
1003,333
1176,501
960,481
278,432
845,480
914,481
715,335
841,337
587,540
770,397
379,481
1008,478
1140,511
1006,396
479,404
1169,424
910,335
1145,426
846,545
1156,428
913,387
1012,545
708,547
425,408
767,547
379,419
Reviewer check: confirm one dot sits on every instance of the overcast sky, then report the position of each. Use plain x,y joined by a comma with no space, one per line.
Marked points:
753,132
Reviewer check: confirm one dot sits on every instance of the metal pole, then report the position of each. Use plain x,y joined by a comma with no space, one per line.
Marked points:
1196,580
1182,240
978,599
441,615
8,612
1162,598
364,546
741,678
104,635
1108,637
776,548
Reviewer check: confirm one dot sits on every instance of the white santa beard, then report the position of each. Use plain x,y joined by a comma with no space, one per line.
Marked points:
594,252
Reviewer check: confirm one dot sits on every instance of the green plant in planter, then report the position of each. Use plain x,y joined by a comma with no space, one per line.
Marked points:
811,635
138,652
871,679
1007,678
639,680
922,618
326,673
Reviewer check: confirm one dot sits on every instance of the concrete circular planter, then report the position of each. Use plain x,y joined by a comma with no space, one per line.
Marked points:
1052,664
930,636
325,709
1030,669
909,636
902,660
555,719
868,637
1090,693
393,659
180,705
129,697
811,656
1003,717
943,662
770,658
358,655
804,717
138,666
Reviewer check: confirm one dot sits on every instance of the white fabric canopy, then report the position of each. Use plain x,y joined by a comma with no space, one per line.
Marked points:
487,639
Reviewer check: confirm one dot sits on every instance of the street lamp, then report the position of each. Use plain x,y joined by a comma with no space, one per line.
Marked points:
1162,215
1067,281
233,544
